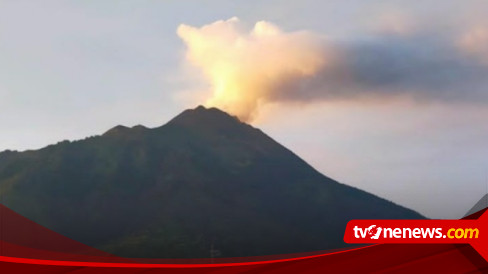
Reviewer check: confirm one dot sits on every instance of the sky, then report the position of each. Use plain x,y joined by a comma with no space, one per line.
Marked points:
386,96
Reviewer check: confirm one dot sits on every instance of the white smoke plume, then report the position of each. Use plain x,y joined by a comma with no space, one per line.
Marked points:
246,67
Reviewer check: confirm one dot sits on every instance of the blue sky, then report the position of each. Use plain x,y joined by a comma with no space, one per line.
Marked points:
71,69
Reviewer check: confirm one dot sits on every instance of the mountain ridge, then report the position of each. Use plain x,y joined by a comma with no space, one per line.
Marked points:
202,179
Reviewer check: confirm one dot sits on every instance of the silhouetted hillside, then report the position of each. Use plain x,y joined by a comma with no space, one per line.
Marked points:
202,180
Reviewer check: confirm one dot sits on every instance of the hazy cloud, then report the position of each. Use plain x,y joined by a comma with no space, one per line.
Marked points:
475,43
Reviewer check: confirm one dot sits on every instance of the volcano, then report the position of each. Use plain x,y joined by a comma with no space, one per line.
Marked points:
202,185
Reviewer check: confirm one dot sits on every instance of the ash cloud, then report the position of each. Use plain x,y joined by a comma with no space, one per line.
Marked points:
250,68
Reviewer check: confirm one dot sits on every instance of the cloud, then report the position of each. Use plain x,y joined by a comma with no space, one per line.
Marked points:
475,43
249,68
423,67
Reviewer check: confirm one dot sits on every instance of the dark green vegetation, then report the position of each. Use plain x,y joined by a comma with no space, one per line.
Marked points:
204,179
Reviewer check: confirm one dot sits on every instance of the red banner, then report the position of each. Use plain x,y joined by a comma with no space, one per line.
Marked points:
473,232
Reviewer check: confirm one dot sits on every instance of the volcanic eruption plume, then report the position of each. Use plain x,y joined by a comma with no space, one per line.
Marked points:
246,69
249,68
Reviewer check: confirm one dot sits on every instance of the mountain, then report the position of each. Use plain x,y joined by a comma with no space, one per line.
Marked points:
480,205
205,184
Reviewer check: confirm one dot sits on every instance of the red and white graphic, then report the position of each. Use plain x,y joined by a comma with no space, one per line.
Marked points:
473,232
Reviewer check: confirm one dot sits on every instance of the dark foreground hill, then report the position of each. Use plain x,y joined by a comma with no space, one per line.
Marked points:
202,185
